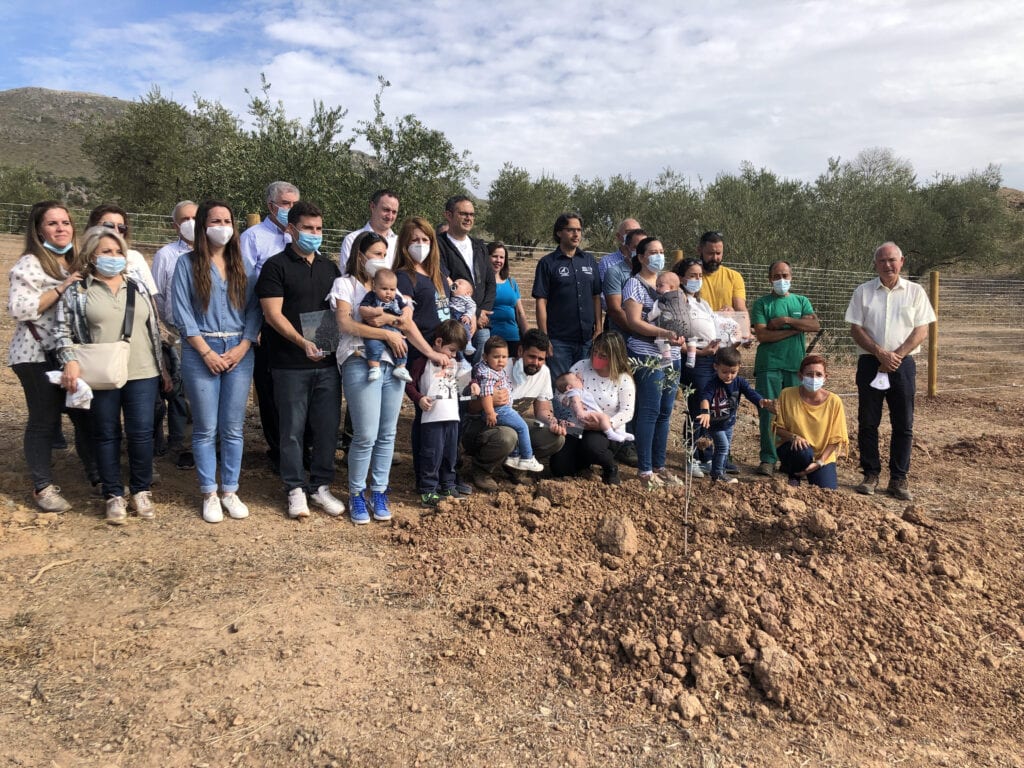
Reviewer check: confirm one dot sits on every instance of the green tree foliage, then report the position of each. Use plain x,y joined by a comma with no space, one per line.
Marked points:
148,159
604,204
417,162
523,210
23,185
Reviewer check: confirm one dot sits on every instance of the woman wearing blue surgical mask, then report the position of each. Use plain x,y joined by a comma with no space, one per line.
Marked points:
218,314
37,282
657,378
94,310
810,427
703,332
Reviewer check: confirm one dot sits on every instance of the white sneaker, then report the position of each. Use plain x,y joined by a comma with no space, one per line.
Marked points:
402,373
212,512
530,465
326,500
512,462
297,507
236,509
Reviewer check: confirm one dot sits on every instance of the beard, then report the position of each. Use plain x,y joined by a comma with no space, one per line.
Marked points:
530,370
712,266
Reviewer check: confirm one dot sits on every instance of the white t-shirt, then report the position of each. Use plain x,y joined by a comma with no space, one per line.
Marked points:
535,387
441,385
139,268
465,247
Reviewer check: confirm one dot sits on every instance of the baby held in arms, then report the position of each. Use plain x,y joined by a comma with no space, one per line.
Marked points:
573,396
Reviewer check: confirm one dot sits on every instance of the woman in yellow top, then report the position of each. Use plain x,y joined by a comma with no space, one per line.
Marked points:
810,427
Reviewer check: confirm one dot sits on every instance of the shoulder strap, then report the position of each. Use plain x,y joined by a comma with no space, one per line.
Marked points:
129,311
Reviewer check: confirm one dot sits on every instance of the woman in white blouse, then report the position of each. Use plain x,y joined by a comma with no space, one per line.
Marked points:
38,280
606,376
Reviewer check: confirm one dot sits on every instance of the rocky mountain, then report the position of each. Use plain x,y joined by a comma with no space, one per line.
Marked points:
43,128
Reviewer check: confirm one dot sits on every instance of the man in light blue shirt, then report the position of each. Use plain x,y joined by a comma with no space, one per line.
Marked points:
258,244
164,261
268,238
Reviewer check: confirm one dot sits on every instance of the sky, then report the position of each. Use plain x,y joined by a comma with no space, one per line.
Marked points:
592,88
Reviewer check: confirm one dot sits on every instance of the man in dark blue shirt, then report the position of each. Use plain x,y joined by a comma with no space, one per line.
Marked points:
567,288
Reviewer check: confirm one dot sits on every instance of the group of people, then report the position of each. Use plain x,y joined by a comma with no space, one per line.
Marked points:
439,319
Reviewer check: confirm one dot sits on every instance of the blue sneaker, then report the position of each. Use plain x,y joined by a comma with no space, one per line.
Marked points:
357,509
379,503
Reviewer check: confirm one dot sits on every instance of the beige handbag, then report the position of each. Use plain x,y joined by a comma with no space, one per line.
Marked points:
105,365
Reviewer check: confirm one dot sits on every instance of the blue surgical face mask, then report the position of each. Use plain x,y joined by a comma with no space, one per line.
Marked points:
694,286
281,214
54,249
812,383
781,287
656,261
111,266
308,243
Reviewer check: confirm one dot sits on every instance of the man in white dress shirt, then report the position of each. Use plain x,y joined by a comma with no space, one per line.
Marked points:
383,214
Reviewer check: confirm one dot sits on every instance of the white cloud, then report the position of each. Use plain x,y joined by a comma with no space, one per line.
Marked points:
599,88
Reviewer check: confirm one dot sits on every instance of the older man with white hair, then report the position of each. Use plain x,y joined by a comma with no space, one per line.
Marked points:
889,318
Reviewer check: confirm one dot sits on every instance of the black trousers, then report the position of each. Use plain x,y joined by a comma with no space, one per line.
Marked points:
900,399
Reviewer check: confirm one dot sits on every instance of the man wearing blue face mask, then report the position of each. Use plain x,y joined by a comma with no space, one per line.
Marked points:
258,244
779,320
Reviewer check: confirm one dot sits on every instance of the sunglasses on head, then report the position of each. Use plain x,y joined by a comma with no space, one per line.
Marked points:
121,228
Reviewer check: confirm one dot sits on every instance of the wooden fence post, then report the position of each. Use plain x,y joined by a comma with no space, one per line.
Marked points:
933,336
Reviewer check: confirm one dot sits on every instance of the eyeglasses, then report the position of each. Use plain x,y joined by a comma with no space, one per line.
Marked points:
121,228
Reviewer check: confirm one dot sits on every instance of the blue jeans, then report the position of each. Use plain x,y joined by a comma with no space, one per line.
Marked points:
794,461
722,439
135,399
509,417
566,354
698,378
374,407
176,403
307,398
654,406
478,341
375,348
218,408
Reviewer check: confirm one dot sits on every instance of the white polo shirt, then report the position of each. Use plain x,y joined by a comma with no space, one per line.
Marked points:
889,316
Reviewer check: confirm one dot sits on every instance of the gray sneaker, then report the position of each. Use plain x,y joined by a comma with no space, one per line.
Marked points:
142,503
766,468
900,489
868,485
50,500
117,510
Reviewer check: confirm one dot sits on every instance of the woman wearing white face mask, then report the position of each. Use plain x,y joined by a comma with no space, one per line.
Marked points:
656,391
95,310
373,405
810,427
422,277
219,317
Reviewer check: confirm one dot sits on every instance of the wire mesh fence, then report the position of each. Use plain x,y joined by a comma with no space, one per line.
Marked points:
981,319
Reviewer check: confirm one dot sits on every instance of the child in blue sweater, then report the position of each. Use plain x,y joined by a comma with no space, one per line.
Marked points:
720,402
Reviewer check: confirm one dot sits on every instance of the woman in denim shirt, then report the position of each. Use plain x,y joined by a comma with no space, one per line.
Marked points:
216,309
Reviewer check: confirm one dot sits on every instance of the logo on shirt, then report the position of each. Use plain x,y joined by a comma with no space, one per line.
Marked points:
564,271
587,270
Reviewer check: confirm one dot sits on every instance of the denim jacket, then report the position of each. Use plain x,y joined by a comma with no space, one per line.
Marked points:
73,327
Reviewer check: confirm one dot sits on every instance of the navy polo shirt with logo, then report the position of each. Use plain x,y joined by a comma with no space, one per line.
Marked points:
569,285
304,287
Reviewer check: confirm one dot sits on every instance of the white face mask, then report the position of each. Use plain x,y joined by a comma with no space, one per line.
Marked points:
372,265
419,251
219,235
187,230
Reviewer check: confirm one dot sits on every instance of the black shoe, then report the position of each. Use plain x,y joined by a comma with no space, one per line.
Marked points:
626,454
464,489
611,476
186,460
730,468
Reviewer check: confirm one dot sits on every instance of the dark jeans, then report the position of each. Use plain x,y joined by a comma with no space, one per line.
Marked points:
135,400
307,398
581,453
173,404
698,378
45,403
793,461
900,397
263,381
439,449
490,446
565,355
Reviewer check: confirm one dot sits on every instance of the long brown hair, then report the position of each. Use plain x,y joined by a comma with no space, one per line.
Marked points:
200,256
406,263
34,243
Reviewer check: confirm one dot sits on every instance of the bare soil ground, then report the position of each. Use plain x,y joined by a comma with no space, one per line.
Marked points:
755,625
